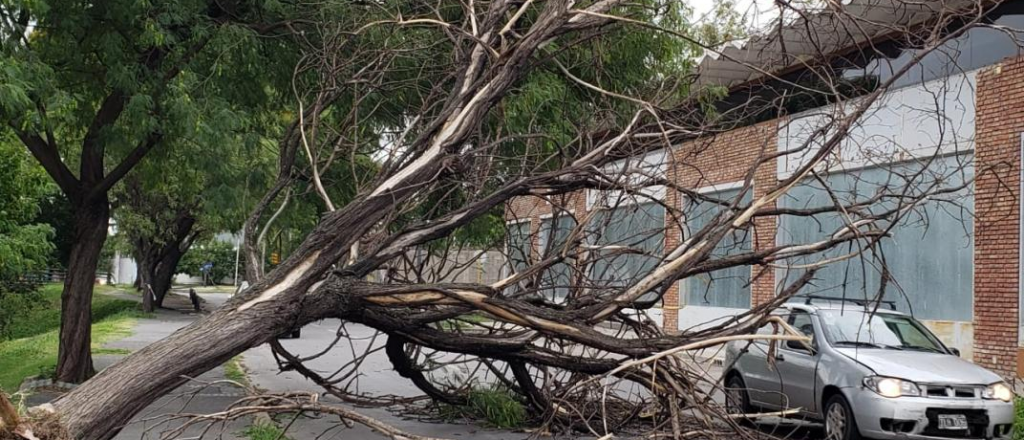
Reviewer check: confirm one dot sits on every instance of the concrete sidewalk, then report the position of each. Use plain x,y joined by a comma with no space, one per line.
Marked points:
193,397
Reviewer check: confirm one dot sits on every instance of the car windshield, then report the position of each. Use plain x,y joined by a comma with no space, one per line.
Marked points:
855,328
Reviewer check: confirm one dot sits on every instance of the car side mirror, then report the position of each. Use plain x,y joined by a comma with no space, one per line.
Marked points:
955,351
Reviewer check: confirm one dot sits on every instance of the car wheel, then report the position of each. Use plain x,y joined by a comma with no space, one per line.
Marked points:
839,421
737,401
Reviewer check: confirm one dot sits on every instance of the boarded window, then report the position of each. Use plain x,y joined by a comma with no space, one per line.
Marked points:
728,287
930,253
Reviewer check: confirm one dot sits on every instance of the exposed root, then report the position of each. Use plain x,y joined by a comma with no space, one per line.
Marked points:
36,425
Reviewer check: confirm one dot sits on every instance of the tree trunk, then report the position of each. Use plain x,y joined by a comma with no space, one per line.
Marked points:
99,408
74,360
163,276
145,263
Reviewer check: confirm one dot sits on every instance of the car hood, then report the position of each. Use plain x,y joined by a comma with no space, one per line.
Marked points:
920,366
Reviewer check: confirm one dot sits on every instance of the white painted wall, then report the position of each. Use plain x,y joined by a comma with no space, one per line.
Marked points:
902,125
699,317
123,269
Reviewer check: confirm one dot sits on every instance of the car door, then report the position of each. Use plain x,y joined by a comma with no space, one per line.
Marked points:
763,381
798,367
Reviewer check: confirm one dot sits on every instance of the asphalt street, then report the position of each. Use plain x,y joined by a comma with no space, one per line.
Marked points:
375,378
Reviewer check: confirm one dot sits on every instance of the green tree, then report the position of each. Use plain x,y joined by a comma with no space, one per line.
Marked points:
170,203
24,244
91,88
218,256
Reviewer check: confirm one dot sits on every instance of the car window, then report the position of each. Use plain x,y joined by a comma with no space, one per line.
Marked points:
801,321
852,328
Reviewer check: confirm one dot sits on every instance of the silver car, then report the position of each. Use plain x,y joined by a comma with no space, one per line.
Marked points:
867,373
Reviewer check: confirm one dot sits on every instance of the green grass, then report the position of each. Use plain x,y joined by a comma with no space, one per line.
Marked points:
233,370
45,315
264,431
497,405
32,348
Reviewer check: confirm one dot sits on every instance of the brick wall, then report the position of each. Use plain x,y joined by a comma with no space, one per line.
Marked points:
717,160
999,122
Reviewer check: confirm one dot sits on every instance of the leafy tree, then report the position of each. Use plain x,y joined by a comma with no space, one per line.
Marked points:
92,88
56,211
169,204
219,254
25,245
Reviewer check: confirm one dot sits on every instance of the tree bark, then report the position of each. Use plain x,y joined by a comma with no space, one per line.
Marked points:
145,276
74,359
99,408
163,276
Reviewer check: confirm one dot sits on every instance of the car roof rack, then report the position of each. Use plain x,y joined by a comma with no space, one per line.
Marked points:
863,302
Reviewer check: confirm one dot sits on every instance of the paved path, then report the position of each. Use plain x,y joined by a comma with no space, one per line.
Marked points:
192,397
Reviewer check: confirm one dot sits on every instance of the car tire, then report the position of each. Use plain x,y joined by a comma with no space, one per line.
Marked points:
737,400
840,423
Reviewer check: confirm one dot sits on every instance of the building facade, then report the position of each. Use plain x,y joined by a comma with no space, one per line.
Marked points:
955,264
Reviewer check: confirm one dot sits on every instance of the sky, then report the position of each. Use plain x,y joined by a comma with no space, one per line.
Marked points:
756,12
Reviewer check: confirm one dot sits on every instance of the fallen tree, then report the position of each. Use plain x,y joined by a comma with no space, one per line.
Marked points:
451,150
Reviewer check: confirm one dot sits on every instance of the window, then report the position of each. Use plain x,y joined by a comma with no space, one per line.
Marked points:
801,321
853,328
728,287
638,233
557,279
930,253
518,245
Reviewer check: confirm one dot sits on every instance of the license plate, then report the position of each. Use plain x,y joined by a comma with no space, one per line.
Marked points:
953,422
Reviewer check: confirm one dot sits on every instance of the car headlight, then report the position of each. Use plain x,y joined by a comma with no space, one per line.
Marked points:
891,386
998,390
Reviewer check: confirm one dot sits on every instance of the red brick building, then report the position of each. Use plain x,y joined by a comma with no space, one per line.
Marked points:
957,267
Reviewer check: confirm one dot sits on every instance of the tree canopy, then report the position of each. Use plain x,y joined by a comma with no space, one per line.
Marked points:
24,244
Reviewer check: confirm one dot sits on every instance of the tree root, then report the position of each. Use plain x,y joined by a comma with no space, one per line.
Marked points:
39,424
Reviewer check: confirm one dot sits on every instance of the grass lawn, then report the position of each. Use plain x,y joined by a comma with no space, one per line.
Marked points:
32,345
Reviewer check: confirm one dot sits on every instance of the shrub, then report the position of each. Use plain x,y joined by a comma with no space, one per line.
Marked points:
221,255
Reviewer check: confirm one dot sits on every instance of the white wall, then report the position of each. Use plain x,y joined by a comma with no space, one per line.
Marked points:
904,124
123,269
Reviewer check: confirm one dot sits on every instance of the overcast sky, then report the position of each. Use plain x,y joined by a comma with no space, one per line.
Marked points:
756,12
